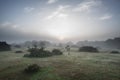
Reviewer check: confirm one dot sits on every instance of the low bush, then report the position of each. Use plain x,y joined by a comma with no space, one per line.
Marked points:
35,52
56,52
18,51
88,49
114,52
32,68
27,55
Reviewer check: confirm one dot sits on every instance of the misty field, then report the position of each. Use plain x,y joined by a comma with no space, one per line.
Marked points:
76,66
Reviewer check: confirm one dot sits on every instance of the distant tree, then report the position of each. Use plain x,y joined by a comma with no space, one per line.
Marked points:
43,44
113,43
28,43
68,49
4,46
17,46
88,49
70,43
35,46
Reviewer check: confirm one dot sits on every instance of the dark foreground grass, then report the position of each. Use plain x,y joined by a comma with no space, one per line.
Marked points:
76,66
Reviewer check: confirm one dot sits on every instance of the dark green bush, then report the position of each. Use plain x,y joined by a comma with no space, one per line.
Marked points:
35,52
27,55
18,51
88,49
56,52
114,52
32,68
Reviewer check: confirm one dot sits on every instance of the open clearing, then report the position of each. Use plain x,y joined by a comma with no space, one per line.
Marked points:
76,66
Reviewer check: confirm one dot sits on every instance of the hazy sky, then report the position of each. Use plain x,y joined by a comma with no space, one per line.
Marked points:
59,20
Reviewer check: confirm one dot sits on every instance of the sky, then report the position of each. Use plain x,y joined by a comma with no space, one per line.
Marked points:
59,20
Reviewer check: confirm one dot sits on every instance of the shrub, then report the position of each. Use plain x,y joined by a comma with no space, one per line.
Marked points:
32,68
35,52
27,55
88,49
18,51
56,52
114,52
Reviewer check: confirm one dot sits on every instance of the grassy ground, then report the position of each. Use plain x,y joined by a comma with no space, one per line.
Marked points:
76,66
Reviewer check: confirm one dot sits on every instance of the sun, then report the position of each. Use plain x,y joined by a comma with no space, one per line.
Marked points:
58,33
61,38
60,27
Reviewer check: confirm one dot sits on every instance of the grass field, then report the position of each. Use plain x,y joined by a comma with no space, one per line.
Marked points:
76,66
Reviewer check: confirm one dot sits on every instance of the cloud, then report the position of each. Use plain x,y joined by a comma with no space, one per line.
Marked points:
51,1
105,17
28,9
9,33
5,24
59,13
86,6
9,24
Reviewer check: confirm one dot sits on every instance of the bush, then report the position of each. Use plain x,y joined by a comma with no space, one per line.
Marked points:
88,49
18,51
114,52
56,52
35,52
32,68
27,55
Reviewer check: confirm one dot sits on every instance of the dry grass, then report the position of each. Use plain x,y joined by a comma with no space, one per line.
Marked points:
76,66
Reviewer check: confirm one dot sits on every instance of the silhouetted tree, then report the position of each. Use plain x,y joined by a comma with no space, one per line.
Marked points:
43,44
4,46
68,49
35,46
17,46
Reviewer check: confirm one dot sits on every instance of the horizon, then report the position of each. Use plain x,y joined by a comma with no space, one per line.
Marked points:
59,42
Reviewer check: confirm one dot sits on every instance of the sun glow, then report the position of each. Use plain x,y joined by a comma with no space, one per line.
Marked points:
60,33
61,38
59,27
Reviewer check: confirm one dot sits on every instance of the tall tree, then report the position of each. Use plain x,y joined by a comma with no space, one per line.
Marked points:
68,49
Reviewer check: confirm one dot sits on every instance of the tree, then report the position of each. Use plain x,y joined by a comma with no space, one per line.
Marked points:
113,43
42,44
68,49
4,46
